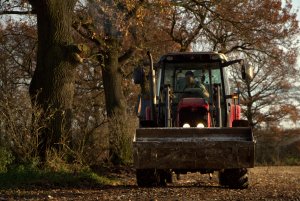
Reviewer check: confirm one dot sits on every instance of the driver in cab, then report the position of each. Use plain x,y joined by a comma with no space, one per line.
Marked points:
192,83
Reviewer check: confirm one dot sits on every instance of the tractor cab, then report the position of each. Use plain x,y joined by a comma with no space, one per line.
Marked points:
198,85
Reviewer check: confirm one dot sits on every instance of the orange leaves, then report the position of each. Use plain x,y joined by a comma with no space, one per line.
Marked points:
130,4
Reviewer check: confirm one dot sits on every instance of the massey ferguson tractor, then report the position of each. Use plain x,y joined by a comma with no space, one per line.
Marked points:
186,127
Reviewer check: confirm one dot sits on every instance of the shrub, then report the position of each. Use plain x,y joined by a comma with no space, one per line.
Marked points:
121,132
19,131
6,158
292,160
277,148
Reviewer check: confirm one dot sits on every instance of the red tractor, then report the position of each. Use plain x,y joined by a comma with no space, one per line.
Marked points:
190,121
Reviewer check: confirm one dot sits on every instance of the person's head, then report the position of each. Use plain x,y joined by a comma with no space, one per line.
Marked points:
189,77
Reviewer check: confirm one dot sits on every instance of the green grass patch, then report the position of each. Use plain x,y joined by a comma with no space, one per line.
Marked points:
28,177
292,161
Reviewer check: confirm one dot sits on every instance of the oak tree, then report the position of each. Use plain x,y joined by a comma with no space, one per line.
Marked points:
52,85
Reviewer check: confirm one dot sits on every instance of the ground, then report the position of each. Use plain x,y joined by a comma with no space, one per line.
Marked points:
266,183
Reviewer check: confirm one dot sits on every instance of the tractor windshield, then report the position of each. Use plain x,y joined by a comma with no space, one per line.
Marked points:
204,75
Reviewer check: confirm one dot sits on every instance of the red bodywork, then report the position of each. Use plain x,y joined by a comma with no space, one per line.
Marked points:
198,108
191,108
235,113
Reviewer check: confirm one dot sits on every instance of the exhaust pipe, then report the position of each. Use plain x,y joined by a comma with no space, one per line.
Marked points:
219,110
152,83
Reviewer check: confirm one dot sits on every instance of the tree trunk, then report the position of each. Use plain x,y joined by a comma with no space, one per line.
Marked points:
112,81
114,100
52,85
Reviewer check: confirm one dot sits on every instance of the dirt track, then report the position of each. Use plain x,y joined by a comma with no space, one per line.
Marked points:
266,183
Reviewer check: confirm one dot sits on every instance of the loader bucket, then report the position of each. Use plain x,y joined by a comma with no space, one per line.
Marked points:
193,148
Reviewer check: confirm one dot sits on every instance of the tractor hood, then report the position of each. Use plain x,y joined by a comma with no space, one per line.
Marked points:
186,103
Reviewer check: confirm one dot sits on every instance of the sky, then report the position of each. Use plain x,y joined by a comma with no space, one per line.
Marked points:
296,6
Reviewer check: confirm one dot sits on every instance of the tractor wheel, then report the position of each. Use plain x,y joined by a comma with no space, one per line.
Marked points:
234,178
147,177
169,176
165,177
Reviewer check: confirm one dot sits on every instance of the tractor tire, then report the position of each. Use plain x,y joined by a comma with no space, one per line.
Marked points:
148,177
234,178
165,177
169,177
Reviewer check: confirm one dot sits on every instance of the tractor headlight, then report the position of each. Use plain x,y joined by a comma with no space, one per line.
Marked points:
200,125
186,125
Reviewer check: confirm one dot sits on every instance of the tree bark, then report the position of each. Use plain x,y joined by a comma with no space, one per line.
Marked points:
52,85
112,81
114,99
112,77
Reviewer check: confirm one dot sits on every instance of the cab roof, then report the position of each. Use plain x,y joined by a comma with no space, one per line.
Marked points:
206,57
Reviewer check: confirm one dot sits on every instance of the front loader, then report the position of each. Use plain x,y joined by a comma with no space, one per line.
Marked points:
182,130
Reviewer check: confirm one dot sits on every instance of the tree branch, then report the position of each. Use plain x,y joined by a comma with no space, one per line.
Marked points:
12,12
129,53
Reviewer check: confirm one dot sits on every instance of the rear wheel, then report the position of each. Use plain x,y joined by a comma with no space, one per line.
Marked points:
169,176
165,177
147,177
234,178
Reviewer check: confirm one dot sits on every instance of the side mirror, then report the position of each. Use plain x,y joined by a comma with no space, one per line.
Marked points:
247,72
139,75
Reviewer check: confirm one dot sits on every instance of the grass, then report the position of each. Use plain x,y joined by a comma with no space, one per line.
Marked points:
292,161
27,177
